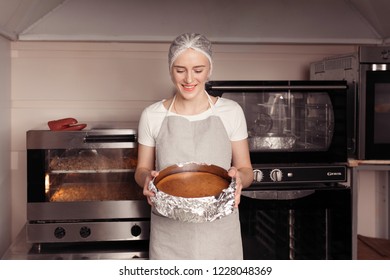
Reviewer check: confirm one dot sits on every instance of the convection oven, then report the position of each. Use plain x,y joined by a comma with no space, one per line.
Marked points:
299,205
81,187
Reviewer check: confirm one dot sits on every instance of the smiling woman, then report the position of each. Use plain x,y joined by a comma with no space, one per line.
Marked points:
193,127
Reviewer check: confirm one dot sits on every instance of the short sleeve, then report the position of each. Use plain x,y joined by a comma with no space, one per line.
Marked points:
145,134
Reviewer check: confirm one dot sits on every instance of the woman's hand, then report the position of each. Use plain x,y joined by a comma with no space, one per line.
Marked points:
148,193
233,172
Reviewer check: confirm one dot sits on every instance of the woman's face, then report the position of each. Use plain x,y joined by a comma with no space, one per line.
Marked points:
190,72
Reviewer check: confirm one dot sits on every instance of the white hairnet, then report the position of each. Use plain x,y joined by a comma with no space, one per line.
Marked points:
186,41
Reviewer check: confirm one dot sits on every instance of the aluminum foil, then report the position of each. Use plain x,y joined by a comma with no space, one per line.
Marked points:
194,210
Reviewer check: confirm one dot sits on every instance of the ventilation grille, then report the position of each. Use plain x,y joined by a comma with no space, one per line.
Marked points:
342,63
331,64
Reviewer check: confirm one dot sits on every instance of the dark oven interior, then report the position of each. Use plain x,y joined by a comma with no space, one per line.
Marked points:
301,224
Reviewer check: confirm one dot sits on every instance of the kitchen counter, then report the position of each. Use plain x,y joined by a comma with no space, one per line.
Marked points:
114,250
357,162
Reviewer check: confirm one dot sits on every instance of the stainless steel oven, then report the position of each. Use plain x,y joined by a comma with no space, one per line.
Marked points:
299,204
81,187
367,73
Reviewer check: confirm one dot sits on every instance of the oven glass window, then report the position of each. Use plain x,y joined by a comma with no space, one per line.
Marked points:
374,141
91,175
293,121
382,113
317,225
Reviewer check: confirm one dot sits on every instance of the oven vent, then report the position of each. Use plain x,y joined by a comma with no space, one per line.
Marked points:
344,67
343,63
319,67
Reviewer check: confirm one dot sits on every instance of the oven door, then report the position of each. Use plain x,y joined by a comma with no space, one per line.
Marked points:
84,195
303,222
291,121
374,115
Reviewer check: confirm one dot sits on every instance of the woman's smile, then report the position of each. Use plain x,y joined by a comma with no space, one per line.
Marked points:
189,88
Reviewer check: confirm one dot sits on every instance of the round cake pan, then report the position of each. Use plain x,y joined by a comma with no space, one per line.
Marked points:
193,192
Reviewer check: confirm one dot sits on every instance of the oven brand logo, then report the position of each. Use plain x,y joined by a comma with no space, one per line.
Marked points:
333,174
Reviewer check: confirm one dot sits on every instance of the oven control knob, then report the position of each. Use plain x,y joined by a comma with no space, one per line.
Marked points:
276,175
85,232
135,230
59,232
257,175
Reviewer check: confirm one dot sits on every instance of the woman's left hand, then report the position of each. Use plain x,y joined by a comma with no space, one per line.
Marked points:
233,172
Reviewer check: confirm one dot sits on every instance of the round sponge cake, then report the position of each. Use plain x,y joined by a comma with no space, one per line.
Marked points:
192,180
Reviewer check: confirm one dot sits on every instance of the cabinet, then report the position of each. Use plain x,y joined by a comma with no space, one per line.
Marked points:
370,185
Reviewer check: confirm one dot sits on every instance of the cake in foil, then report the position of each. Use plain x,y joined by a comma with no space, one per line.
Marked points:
196,208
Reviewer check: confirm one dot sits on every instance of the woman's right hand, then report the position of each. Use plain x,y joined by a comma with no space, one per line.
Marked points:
148,193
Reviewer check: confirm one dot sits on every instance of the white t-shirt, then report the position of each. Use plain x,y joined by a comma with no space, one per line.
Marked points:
229,111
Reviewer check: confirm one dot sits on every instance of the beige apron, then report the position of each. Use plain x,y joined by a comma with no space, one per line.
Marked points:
204,141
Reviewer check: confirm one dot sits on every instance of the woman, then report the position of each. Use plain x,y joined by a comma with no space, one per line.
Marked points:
192,126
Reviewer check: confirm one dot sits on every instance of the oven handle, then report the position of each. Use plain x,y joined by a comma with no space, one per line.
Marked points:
277,195
110,138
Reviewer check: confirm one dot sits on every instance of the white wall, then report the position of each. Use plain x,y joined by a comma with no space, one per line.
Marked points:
115,81
5,145
372,210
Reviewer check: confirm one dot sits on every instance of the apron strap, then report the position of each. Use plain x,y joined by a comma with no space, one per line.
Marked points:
171,105
208,97
211,103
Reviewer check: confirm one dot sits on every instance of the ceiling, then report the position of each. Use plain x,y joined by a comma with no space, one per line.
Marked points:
233,21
